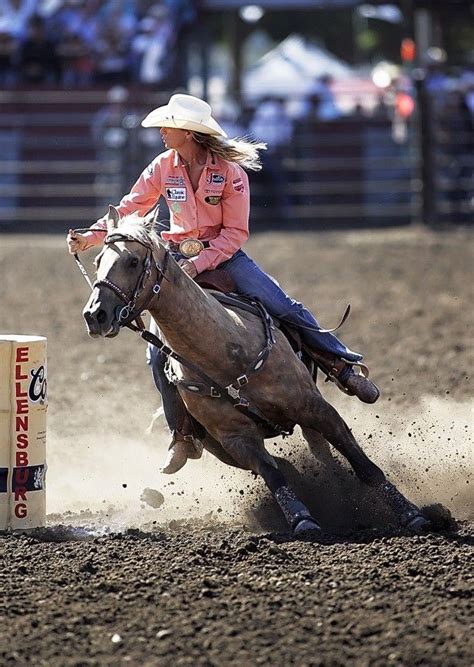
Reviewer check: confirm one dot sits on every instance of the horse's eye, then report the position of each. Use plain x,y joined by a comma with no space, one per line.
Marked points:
134,262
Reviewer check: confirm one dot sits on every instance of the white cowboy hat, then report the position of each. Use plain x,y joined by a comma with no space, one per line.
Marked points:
185,112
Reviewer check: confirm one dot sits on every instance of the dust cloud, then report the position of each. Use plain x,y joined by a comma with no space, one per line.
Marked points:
96,480
427,450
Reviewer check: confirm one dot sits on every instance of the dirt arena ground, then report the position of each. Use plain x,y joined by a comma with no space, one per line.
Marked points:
211,577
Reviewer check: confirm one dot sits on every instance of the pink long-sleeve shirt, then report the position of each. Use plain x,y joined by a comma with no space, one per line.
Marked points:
218,211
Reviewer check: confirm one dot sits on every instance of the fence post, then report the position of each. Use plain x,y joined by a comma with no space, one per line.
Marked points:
425,138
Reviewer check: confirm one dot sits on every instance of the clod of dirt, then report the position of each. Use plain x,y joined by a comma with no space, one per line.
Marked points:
440,517
152,497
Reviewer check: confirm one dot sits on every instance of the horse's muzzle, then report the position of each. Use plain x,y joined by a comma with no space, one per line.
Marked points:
100,321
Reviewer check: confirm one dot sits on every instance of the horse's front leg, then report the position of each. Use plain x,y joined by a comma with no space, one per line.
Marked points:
250,453
217,450
322,417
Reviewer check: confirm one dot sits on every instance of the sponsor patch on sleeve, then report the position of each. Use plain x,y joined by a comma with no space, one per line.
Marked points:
238,185
216,179
176,194
213,200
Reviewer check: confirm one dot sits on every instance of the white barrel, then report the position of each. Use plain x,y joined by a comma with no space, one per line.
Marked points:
23,408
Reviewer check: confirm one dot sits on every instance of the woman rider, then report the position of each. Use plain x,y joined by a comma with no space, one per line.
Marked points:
202,177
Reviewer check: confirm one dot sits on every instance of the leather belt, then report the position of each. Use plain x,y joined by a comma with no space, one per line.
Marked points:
188,248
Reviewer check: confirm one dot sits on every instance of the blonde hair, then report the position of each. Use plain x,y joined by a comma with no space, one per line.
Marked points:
245,152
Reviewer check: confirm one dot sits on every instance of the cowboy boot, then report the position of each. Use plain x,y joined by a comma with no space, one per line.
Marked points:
346,379
182,447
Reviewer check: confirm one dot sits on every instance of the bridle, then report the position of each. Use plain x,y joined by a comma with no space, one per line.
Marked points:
129,312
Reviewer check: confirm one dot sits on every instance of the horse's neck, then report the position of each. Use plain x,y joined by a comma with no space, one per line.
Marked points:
191,322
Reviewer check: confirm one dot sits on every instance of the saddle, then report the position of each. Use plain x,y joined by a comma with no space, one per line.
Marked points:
217,279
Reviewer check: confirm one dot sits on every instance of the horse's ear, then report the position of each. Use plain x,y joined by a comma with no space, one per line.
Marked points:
113,217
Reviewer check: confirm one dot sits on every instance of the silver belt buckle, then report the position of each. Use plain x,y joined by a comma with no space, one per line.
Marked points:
191,247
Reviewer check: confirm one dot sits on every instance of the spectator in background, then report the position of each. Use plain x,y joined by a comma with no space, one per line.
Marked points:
76,60
327,109
112,56
466,84
38,61
7,51
15,15
229,112
122,15
81,18
271,124
110,140
436,80
152,47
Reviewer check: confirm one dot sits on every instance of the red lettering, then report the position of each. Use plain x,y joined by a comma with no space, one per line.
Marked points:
21,354
21,459
22,440
21,475
18,375
21,424
22,406
20,493
18,391
21,511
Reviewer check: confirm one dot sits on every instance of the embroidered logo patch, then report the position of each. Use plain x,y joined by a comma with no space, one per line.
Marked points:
238,185
174,180
176,194
215,178
213,200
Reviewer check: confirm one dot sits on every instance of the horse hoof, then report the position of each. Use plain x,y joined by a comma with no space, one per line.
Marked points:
418,524
305,525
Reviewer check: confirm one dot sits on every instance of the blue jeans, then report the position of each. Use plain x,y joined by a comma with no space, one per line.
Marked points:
168,391
252,281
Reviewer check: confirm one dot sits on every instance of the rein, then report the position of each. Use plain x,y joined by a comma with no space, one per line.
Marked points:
127,315
80,265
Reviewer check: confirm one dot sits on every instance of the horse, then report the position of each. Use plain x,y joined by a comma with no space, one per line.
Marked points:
237,373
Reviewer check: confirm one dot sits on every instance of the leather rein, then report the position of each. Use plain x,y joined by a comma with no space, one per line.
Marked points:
131,318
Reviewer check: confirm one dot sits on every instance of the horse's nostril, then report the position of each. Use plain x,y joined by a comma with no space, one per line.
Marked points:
101,316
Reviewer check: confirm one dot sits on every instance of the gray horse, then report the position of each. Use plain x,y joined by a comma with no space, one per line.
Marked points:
215,349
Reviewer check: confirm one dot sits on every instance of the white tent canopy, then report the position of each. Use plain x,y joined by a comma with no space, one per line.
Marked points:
290,69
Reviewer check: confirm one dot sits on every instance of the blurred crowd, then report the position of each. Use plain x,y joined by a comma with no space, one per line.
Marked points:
73,43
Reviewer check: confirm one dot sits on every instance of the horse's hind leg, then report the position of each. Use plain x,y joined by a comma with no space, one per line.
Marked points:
250,453
330,424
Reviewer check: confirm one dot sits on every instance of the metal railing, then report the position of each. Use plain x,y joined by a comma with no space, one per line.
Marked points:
64,155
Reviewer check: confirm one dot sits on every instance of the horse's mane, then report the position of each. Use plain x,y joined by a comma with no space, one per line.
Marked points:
141,229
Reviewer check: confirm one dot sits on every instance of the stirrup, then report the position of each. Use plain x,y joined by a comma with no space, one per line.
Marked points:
350,382
364,370
333,373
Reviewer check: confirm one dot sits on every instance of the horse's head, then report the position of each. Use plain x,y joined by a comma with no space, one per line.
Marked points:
128,274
